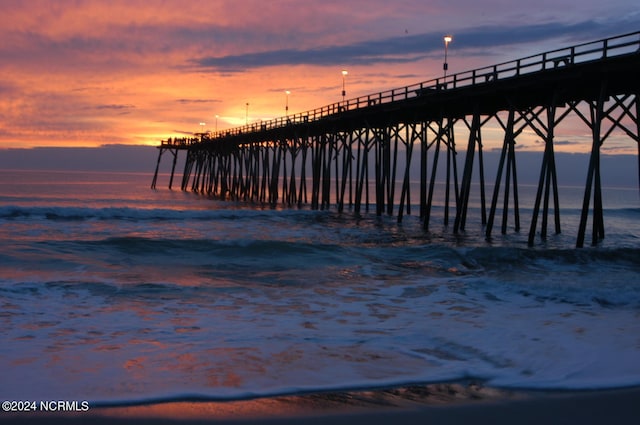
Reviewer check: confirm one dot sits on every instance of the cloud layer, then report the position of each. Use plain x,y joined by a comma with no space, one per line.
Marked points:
410,48
92,72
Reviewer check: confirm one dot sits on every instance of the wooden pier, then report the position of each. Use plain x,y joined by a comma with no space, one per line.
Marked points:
343,149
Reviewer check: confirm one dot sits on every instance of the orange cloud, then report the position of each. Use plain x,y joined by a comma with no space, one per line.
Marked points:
135,72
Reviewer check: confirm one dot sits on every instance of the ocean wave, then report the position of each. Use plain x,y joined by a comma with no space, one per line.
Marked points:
490,256
235,248
221,211
512,317
12,212
579,277
133,259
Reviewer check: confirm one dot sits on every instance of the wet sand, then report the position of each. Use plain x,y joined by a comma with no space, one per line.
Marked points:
425,404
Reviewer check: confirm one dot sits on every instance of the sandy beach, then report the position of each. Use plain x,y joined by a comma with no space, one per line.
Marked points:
441,404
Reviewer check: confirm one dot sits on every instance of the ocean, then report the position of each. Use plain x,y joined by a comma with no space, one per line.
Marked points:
115,293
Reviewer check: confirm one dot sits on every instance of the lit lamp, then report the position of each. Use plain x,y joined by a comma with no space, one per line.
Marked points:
344,92
286,106
202,124
447,39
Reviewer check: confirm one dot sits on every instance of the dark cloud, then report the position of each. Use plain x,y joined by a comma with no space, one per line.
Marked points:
409,48
196,101
120,109
560,142
183,132
117,107
565,142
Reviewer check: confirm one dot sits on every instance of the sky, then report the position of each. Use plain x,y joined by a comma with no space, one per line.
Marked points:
90,73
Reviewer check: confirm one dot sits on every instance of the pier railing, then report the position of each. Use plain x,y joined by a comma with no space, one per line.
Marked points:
569,56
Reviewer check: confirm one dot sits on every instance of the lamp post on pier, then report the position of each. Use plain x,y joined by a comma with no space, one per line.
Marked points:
246,116
286,106
344,92
447,39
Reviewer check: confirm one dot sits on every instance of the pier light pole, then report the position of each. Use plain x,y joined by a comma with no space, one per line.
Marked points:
202,124
447,39
246,116
344,92
286,105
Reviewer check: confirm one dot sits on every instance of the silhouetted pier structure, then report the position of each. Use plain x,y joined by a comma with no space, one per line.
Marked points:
354,144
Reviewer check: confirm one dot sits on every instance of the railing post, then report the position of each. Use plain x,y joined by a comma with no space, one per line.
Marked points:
573,55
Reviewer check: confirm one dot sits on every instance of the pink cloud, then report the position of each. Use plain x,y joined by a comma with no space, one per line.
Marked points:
94,72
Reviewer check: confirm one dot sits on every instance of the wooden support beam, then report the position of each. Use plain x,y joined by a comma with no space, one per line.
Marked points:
345,170
452,169
392,166
593,175
434,168
412,134
474,140
548,177
506,156
155,175
302,195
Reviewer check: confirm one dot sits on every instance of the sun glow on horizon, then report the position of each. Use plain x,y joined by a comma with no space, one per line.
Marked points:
165,69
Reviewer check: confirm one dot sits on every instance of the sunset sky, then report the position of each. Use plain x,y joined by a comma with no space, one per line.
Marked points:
88,73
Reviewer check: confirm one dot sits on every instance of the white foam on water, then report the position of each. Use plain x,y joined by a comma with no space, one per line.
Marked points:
175,297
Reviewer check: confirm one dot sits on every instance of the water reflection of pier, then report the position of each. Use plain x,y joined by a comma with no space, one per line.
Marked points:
345,148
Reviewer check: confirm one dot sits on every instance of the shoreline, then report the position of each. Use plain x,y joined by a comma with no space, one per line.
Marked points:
451,403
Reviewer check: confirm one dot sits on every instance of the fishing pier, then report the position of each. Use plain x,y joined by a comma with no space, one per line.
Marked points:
360,152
